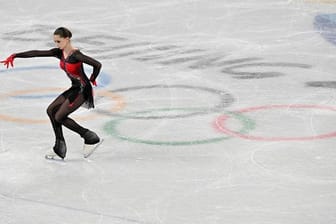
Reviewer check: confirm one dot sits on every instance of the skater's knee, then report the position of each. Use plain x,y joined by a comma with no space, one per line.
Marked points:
59,118
50,111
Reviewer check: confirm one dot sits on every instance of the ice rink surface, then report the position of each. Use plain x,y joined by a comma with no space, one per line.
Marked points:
212,112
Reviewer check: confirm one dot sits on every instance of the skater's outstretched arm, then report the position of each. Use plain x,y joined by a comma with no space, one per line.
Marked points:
55,52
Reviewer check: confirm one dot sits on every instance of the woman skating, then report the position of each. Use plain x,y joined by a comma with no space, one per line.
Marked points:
80,92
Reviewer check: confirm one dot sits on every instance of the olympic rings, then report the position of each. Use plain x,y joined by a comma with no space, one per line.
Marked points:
116,98
111,128
225,98
103,78
220,123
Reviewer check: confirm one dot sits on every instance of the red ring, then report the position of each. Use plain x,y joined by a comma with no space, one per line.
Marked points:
220,124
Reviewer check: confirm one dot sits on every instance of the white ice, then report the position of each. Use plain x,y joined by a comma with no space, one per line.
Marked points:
173,74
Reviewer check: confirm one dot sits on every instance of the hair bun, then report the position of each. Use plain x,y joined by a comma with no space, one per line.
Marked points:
63,32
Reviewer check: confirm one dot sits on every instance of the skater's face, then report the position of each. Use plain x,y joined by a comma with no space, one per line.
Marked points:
61,42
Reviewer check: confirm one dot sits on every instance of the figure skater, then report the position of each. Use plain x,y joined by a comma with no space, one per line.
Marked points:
80,92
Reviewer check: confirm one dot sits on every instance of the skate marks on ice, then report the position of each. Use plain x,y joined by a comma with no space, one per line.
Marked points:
164,54
41,33
73,210
288,162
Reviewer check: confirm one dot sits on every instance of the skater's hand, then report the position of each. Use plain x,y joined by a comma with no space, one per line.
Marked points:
9,61
93,80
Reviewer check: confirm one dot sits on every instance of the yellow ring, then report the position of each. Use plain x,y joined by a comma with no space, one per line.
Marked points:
120,104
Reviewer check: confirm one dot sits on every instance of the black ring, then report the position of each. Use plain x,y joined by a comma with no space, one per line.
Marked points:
226,99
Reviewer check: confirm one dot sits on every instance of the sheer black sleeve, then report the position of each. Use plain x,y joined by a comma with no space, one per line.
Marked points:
90,61
55,52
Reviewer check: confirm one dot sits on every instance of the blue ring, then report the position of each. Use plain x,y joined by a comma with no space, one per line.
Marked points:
104,78
326,25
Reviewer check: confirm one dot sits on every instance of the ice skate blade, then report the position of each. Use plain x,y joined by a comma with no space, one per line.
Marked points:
89,149
53,157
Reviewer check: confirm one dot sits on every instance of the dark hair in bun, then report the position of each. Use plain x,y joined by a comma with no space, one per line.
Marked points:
63,32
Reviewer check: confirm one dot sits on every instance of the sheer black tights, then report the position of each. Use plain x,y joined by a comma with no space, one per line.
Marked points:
58,112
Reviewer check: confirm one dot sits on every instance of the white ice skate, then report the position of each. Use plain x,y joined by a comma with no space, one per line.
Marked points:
88,149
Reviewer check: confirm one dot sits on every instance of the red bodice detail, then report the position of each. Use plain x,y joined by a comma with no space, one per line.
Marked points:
73,70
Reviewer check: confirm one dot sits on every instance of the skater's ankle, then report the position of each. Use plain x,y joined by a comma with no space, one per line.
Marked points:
83,132
60,148
91,138
60,139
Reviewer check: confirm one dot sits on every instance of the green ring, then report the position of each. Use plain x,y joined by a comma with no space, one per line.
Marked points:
111,128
